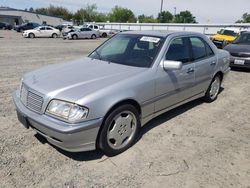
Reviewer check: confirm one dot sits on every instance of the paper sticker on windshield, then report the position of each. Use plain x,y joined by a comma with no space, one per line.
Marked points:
150,39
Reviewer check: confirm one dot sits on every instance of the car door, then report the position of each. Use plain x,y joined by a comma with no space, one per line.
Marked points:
205,63
48,32
174,86
88,32
82,33
41,32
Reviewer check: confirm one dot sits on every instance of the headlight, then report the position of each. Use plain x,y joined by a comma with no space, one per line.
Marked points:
66,110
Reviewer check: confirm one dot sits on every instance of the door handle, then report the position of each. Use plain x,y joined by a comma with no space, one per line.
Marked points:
190,70
213,63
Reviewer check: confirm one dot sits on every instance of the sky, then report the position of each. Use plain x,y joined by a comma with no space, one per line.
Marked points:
205,11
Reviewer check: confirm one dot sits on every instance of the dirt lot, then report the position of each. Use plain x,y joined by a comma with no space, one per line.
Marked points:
196,145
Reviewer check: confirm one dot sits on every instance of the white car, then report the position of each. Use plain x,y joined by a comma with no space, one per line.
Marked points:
83,33
42,31
101,29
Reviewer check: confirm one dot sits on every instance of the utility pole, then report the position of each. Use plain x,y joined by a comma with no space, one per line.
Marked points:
161,6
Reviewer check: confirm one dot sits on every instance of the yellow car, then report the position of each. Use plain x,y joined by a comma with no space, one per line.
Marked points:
225,36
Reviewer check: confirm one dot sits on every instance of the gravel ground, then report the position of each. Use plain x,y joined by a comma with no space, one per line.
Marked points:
195,145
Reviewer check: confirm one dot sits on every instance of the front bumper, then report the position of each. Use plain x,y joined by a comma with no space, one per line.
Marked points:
70,137
246,63
25,35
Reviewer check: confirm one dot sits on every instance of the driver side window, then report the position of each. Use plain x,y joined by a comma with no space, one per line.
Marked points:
179,50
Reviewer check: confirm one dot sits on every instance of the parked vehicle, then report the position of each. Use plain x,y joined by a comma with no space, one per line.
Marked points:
26,26
65,34
42,31
103,32
226,36
67,28
5,26
83,33
103,100
240,51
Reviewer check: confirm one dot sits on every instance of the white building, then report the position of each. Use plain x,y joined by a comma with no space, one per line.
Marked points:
17,17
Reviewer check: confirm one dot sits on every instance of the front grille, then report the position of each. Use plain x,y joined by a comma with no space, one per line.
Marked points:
240,54
31,100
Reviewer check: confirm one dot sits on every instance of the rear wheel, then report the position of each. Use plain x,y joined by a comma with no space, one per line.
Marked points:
32,35
104,35
214,89
119,130
54,35
93,36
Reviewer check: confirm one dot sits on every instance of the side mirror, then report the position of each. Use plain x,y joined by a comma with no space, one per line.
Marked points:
172,65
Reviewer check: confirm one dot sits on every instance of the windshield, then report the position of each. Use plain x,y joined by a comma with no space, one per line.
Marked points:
129,49
227,32
243,39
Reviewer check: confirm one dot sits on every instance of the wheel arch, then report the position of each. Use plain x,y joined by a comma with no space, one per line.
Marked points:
113,107
220,73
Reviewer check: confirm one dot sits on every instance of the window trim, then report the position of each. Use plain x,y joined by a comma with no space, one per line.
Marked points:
206,44
189,44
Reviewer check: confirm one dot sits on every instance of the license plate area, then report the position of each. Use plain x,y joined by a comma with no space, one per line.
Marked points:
22,119
239,62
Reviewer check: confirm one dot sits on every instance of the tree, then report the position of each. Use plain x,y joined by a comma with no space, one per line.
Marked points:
89,14
31,9
185,17
165,17
245,18
119,14
146,19
55,11
101,17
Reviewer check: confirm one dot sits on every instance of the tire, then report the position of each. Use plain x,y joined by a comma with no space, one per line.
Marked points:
32,35
54,35
119,130
93,36
104,35
213,89
21,30
74,37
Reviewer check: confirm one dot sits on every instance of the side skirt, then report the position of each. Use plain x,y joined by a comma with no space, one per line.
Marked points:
152,116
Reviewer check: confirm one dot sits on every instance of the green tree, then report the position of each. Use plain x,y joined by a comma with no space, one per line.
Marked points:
146,19
89,14
185,17
55,11
245,18
119,14
165,17
101,17
31,9
42,11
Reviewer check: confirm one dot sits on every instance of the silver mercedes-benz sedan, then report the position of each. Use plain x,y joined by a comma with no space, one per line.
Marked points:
102,101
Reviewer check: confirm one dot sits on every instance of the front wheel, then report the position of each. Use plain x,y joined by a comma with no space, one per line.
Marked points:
54,35
93,36
32,35
119,130
74,37
214,89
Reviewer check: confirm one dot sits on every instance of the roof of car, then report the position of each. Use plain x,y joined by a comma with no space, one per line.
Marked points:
159,33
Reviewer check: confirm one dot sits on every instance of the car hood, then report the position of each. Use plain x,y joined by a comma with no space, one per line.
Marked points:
74,80
30,30
236,48
223,37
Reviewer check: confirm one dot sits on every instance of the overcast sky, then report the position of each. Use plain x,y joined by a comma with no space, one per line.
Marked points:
206,11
